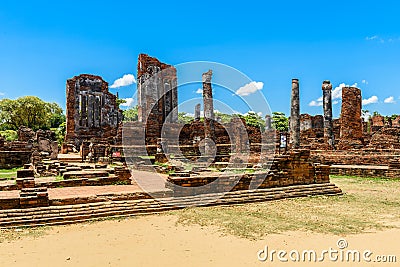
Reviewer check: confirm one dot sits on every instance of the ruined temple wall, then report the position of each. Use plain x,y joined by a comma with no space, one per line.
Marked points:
92,111
351,131
157,91
366,156
312,131
290,169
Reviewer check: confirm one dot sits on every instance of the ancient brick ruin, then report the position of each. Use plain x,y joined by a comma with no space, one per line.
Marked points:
92,111
30,147
295,115
157,91
189,153
351,135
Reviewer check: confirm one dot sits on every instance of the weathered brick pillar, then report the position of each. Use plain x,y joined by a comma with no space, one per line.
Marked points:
268,125
174,107
209,129
197,112
295,116
350,118
328,123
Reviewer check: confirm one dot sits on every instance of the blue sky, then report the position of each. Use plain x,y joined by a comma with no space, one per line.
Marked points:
43,43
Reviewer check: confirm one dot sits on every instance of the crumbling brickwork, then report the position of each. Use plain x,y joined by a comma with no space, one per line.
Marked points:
295,115
17,153
157,91
92,111
351,131
377,122
293,168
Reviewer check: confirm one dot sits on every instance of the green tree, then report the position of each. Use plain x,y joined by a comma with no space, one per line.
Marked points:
57,116
184,118
60,132
225,118
280,122
120,101
29,111
253,119
130,114
9,135
376,113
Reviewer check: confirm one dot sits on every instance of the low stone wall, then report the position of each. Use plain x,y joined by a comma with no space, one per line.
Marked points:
106,197
99,181
9,203
60,212
365,171
14,159
286,170
360,171
379,157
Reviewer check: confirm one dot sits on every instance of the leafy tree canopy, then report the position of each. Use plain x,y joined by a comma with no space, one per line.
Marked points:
253,119
280,122
130,114
184,118
9,135
29,111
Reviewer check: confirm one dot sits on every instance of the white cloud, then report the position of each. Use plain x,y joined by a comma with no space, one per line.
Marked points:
128,102
336,95
126,80
315,103
373,99
250,88
375,38
199,91
2,94
364,81
370,38
389,100
382,40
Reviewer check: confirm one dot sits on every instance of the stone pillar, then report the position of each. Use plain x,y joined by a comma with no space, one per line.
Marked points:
328,124
295,116
268,124
197,112
174,118
350,118
209,130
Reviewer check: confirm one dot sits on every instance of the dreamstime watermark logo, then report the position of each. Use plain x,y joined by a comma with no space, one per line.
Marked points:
339,254
191,146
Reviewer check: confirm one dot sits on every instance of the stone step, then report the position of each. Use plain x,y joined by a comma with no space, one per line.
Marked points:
55,215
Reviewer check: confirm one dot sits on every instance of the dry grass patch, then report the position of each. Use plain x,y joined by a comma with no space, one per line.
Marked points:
367,205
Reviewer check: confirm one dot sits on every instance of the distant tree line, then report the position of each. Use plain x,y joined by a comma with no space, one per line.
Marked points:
279,119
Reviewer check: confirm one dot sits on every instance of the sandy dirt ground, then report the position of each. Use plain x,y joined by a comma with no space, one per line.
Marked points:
156,240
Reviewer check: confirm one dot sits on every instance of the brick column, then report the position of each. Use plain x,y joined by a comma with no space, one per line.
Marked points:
350,119
328,124
197,112
295,116
209,129
268,122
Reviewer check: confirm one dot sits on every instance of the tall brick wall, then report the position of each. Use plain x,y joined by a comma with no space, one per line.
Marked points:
157,91
351,131
92,111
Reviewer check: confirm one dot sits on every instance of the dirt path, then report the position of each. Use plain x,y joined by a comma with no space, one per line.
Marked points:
156,241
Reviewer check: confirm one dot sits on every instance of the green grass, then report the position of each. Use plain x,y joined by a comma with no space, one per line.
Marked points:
368,204
9,173
59,178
